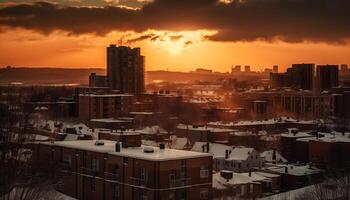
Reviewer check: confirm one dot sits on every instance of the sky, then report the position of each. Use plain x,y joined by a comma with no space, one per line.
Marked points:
175,35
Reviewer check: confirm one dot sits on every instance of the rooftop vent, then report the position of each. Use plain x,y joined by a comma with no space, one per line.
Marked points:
148,150
161,146
117,147
99,143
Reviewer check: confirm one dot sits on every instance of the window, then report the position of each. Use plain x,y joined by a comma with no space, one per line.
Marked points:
116,192
172,177
67,159
204,172
143,195
171,196
125,160
93,185
143,174
95,165
204,193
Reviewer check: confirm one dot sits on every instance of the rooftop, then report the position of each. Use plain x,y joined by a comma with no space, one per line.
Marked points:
132,152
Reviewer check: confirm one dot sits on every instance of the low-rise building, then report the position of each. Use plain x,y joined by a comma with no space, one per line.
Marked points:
104,169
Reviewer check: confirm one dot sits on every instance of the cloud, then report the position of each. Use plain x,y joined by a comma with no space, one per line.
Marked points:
175,37
238,20
148,36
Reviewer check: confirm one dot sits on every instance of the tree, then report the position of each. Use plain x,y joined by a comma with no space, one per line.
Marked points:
20,178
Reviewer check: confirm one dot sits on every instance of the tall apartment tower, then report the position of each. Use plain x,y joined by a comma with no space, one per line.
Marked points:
125,69
327,76
302,76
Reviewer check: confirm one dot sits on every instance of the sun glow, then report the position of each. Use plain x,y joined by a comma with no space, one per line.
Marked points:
176,42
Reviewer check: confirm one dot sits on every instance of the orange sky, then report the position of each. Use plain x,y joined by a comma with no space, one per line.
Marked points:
21,47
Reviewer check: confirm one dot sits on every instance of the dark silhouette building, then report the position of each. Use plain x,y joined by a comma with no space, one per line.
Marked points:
125,69
327,76
301,76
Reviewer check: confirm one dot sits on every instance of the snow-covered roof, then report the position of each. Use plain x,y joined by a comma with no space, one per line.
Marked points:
150,130
269,154
178,143
203,128
263,122
296,170
297,135
240,153
217,150
133,152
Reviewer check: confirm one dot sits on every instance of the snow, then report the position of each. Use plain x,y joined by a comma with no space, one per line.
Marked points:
301,170
240,153
152,130
203,128
217,150
107,120
268,156
178,143
106,95
133,152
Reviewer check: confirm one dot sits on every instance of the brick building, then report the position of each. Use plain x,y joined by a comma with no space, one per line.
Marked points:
104,170
92,106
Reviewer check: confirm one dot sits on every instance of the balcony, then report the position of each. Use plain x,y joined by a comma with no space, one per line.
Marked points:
65,166
89,171
181,182
112,176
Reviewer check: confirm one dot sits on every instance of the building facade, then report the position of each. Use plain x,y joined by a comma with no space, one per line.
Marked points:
125,69
104,170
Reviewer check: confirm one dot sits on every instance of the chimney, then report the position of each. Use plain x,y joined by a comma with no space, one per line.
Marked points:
274,155
207,147
250,172
162,146
117,147
203,148
286,169
226,154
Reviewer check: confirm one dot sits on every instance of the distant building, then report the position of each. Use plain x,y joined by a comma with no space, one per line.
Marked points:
299,76
343,67
327,76
236,69
98,80
247,68
125,69
97,106
104,169
204,71
302,76
275,68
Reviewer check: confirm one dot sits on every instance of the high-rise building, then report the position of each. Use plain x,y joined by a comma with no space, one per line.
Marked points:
275,69
327,76
125,69
302,76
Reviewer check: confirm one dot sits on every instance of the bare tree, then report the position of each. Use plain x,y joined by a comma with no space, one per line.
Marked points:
20,178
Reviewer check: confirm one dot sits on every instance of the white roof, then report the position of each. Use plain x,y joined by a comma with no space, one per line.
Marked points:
240,153
296,135
133,152
268,156
202,128
217,150
302,170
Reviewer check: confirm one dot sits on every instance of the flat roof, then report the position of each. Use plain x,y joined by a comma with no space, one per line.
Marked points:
107,95
132,152
107,120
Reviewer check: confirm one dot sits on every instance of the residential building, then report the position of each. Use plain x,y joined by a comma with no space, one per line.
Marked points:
125,69
97,106
103,169
327,77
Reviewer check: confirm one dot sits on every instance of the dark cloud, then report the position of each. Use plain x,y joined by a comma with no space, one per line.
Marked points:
188,43
240,20
149,36
175,37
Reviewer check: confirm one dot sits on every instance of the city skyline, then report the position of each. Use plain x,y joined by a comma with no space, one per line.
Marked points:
175,42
